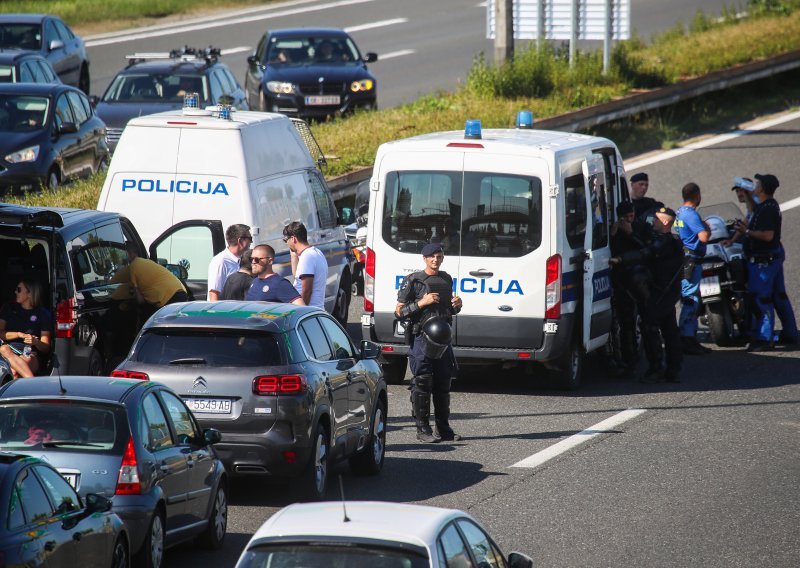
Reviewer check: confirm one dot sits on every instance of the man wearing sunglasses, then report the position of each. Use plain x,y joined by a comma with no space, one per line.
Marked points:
309,265
269,286
226,263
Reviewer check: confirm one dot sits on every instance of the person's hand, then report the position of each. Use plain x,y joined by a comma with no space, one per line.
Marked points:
29,339
614,260
626,227
740,227
428,299
457,303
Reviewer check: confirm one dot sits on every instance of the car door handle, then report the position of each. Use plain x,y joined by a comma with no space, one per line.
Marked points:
164,467
481,273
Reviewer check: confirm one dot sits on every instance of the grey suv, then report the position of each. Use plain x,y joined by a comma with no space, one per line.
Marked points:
285,386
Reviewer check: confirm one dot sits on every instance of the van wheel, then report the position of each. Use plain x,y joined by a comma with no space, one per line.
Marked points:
568,369
394,370
342,307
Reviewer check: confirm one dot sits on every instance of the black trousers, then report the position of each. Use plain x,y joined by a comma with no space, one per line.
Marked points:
660,324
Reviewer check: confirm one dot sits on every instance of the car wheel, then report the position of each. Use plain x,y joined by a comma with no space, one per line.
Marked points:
53,181
341,308
152,553
214,534
394,370
120,557
369,461
84,84
314,483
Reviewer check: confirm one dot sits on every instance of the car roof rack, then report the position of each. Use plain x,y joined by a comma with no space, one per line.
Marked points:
210,54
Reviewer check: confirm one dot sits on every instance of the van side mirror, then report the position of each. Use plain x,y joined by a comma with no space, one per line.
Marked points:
346,216
370,57
56,44
369,349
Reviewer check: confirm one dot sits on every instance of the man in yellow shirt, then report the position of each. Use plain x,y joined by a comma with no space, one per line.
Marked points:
153,285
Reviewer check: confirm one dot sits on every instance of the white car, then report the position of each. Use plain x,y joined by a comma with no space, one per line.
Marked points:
374,534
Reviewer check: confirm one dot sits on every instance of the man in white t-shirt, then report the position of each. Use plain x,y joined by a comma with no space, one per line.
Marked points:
226,263
309,265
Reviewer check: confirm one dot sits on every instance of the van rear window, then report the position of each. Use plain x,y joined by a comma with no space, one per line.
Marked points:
469,213
218,348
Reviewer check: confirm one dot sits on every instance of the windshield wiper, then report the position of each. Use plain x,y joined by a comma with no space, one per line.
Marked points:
54,443
188,361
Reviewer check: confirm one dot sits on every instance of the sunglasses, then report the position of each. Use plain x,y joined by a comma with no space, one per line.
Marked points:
257,259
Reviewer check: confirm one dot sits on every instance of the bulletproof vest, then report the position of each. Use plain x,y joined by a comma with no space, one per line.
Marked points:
442,284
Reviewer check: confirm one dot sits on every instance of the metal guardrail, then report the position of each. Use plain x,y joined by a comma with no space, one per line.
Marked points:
344,186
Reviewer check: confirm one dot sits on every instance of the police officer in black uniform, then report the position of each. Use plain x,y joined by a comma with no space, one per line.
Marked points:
664,258
426,305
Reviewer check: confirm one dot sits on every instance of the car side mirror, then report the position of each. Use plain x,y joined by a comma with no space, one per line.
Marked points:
56,44
253,60
370,57
68,128
212,436
519,560
94,100
178,271
97,503
370,349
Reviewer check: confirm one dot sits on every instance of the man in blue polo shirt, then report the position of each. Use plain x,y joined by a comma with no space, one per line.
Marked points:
269,286
694,233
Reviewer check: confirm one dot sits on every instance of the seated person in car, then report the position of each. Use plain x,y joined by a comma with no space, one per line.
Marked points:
25,329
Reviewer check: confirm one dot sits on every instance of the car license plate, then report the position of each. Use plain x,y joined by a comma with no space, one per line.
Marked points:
709,286
209,405
326,100
72,479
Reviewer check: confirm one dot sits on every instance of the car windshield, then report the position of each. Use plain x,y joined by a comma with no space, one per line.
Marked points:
6,74
22,113
217,348
345,555
21,36
312,51
63,426
155,88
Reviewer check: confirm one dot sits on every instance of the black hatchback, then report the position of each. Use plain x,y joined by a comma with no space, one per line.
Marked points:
310,73
49,134
133,442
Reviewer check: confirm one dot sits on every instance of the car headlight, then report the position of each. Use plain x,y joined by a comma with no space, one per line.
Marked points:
280,88
26,155
362,85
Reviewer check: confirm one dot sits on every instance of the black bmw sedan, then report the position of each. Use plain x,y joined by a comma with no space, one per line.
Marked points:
310,73
49,134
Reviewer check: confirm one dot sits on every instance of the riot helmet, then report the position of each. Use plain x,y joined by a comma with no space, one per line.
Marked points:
435,336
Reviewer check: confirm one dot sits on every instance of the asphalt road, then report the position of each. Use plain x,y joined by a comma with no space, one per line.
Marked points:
706,475
423,47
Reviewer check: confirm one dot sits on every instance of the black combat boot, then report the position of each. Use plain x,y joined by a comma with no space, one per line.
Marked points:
441,410
421,399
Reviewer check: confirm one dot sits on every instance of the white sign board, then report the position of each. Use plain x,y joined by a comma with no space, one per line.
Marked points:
557,19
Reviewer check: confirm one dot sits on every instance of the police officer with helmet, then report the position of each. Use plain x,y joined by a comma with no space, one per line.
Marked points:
426,305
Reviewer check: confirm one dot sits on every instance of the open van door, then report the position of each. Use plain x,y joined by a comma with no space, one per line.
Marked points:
597,315
190,244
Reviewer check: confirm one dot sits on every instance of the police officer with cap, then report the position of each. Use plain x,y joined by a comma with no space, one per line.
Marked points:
426,304
642,205
765,256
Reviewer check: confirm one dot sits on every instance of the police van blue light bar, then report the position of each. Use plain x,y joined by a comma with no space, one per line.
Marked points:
191,100
524,119
472,130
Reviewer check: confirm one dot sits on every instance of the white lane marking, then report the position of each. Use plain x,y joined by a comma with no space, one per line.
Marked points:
232,50
205,25
791,204
373,25
602,427
393,54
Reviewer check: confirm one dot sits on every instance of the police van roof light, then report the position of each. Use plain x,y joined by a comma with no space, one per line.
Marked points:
472,130
524,119
225,112
191,100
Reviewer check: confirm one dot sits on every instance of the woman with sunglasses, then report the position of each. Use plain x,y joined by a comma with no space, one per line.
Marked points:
25,329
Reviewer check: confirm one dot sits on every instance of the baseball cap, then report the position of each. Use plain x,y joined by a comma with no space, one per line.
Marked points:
768,181
641,176
624,208
431,248
743,183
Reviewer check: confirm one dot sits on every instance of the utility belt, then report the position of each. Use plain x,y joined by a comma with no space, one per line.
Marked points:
690,260
764,258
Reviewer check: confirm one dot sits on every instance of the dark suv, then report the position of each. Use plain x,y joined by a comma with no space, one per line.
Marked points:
155,82
74,253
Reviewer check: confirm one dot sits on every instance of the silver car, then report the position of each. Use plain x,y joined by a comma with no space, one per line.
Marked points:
284,384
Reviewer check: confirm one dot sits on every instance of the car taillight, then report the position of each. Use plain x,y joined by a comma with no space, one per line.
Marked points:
369,281
128,478
266,385
553,287
125,374
66,318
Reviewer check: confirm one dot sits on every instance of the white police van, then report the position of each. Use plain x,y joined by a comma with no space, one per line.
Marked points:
523,217
199,171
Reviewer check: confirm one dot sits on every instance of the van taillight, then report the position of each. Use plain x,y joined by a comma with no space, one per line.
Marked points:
66,318
553,288
369,281
128,478
266,385
125,374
